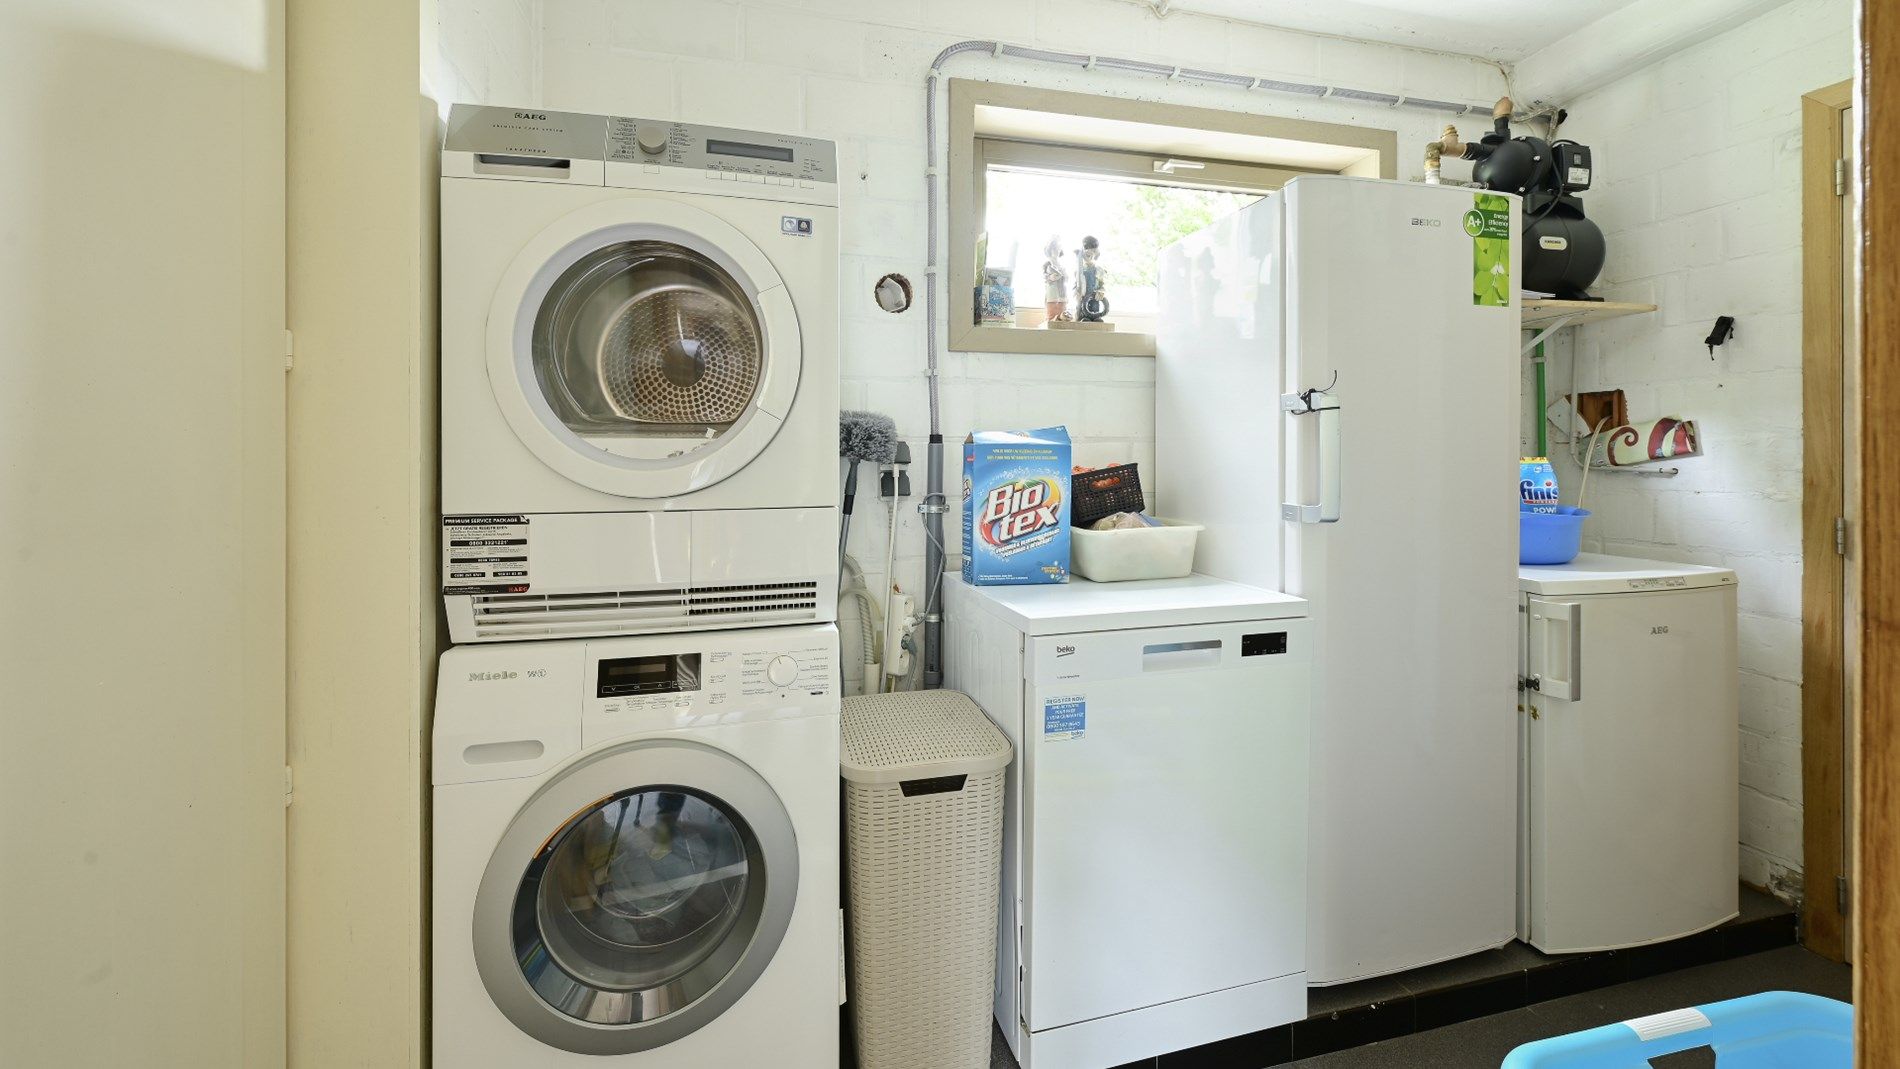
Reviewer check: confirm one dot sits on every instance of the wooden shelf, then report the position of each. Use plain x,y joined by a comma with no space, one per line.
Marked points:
1544,311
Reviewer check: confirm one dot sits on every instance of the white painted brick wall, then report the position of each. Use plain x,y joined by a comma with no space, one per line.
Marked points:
488,51
852,72
1698,192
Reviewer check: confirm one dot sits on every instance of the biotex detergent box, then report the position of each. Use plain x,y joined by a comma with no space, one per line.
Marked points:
1016,507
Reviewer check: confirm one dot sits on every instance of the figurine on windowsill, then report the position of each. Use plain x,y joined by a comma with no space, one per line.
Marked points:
1091,303
1055,282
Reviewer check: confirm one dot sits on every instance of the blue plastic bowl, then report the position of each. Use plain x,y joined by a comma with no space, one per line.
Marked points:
1550,537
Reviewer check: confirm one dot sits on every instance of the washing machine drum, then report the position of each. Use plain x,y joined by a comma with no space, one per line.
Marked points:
644,350
614,919
648,339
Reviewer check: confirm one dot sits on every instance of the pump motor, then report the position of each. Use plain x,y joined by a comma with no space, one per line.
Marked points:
1563,250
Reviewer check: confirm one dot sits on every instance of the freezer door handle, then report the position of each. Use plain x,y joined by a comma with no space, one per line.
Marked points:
1324,407
1557,649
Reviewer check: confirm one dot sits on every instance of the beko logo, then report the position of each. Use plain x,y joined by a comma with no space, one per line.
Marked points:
1416,221
1065,651
537,116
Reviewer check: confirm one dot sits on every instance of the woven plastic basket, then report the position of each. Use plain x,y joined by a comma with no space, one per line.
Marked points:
923,841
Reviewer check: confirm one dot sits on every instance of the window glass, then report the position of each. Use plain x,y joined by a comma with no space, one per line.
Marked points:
1132,221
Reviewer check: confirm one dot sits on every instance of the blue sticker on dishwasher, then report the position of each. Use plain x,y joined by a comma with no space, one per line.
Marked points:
1064,718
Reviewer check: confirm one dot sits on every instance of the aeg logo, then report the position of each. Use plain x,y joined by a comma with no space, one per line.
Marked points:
537,116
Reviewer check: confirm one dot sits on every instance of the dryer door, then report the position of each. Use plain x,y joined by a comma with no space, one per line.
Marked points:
636,897
643,348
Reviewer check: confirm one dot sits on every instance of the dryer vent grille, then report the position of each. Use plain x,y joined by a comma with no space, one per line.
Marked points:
639,612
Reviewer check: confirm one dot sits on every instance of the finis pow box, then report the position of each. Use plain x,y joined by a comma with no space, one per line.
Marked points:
1016,507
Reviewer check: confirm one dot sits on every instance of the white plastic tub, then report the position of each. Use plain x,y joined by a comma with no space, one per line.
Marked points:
1164,552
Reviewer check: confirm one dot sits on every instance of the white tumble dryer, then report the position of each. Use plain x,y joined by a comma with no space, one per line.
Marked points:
639,376
636,853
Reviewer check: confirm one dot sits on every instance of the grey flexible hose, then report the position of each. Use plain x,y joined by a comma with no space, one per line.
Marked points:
934,507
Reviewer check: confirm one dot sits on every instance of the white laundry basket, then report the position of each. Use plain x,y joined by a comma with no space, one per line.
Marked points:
923,840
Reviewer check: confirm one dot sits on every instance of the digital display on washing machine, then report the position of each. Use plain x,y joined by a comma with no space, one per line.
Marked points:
751,152
662,674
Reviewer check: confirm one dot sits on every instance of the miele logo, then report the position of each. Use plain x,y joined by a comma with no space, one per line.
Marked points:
1065,651
1416,221
537,116
504,675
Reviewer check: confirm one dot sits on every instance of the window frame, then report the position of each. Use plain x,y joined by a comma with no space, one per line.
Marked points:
973,152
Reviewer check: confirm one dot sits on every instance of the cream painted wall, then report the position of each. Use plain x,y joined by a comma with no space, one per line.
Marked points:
142,530
363,610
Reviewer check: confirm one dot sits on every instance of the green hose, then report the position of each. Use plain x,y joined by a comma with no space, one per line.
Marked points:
1543,414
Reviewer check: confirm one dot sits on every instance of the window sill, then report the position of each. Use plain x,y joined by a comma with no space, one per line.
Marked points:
992,338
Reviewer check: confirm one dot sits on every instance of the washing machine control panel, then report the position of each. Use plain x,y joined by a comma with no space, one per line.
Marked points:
643,682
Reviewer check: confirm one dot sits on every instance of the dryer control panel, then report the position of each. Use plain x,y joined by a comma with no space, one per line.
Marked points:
527,138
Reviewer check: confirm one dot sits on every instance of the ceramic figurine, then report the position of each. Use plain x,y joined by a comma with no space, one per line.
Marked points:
1055,282
1091,304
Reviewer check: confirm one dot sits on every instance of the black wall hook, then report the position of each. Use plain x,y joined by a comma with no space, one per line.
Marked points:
1724,330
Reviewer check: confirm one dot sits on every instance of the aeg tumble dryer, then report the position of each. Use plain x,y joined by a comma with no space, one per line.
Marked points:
639,376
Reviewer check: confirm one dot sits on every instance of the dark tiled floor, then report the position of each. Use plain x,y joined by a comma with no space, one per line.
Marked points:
1495,986
1482,1043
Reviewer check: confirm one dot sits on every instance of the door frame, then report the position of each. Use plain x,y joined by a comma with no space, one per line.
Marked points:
1877,719
1824,772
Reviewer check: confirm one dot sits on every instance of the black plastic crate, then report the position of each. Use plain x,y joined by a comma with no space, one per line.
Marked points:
1104,492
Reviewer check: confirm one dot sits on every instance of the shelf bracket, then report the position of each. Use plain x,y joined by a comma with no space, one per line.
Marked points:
1541,336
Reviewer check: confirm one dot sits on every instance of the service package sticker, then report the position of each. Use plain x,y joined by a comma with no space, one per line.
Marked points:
484,554
1064,718
1489,224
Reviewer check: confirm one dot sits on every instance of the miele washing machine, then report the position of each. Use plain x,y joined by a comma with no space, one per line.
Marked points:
636,853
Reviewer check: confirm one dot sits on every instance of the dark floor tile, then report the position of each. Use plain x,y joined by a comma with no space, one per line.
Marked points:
1486,1041
1256,1050
1482,998
1699,949
1352,1028
1758,935
1146,1063
1699,1058
1756,905
1324,1000
1571,974
1481,966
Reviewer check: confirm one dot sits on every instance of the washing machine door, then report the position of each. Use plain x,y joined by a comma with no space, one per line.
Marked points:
636,898
644,348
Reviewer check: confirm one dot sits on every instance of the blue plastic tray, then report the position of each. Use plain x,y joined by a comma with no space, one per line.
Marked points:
1775,1030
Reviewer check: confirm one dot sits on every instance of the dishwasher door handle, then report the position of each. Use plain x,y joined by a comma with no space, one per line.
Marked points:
1173,656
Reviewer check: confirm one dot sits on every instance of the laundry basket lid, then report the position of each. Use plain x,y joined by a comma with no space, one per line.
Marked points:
890,738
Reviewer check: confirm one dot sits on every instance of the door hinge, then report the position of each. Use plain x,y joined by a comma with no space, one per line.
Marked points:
287,786
1840,535
1840,895
290,349
1840,178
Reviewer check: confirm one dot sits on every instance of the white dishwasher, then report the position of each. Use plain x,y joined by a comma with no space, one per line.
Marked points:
1154,830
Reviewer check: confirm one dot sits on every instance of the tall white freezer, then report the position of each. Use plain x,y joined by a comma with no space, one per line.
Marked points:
1387,499
1628,758
1154,821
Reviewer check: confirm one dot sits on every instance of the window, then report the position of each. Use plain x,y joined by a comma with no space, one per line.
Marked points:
1029,165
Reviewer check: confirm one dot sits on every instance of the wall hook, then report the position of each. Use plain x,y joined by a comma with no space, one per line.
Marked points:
1724,330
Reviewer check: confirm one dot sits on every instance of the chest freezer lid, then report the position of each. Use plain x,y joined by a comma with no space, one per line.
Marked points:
1080,605
1598,573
